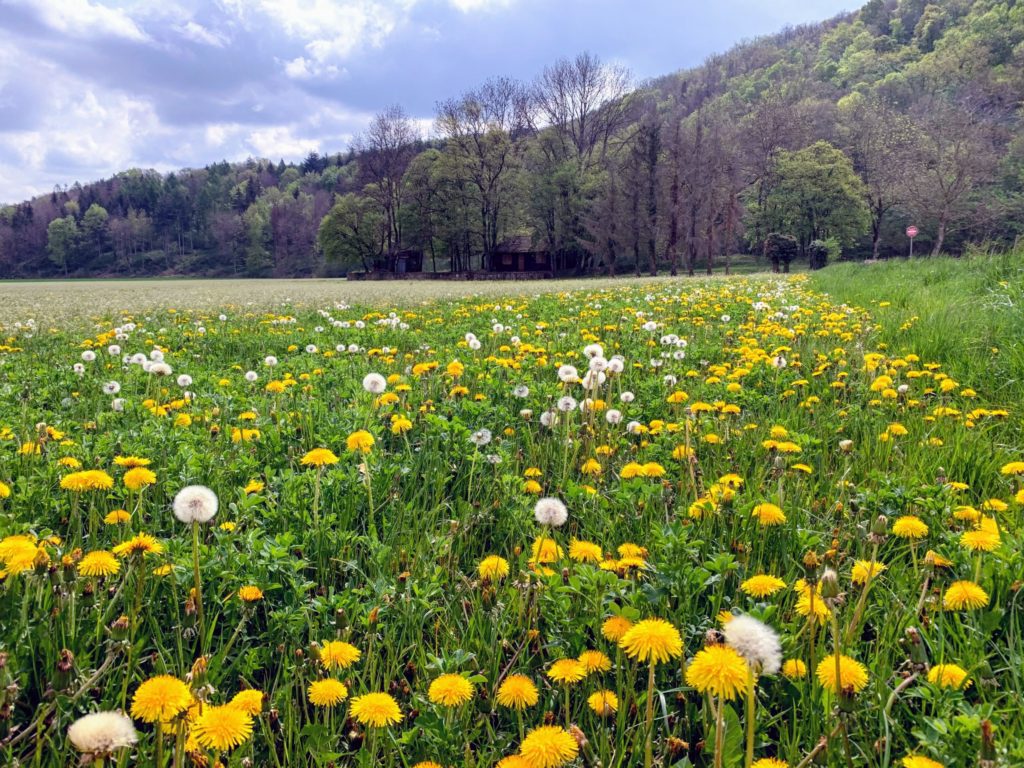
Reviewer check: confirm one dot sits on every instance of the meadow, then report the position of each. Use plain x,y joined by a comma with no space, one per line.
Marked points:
757,521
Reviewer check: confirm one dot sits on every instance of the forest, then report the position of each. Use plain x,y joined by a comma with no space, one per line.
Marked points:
820,143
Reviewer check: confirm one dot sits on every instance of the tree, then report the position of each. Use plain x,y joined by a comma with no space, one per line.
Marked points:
386,150
879,141
482,128
353,232
817,195
94,227
955,157
62,241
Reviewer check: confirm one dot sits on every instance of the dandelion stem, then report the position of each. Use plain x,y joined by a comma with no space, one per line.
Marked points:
751,705
649,745
198,586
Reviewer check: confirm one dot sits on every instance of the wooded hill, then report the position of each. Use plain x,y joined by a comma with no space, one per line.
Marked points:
836,135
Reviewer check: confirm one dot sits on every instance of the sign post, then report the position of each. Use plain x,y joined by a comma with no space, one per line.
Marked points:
912,232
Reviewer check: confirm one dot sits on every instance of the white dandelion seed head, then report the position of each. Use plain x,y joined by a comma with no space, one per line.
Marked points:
650,326
526,414
353,348
138,359
566,403
670,380
88,356
616,365
160,369
102,733
184,380
318,329
515,340
903,389
548,419
111,388
156,356
568,374
251,376
374,383
756,642
311,349
222,317
613,416
359,324
627,397
726,318
521,391
633,427
117,404
78,368
474,344
270,361
779,362
480,438
593,351
679,354
195,504
113,350
549,511
597,364
593,379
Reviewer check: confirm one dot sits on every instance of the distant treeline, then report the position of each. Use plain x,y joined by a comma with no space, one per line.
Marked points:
822,142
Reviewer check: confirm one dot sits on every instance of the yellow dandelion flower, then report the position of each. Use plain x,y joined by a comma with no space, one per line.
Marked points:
117,517
375,710
603,703
985,539
865,569
319,457
160,699
585,551
566,671
718,670
139,544
450,690
594,661
964,596
769,762
762,585
920,761
89,480
493,568
794,669
853,676
131,462
768,514
359,441
99,563
250,594
948,676
327,692
250,700
138,478
615,628
909,527
517,692
222,728
549,747
337,654
652,640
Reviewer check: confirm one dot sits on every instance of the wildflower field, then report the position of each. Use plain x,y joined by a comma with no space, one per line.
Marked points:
758,521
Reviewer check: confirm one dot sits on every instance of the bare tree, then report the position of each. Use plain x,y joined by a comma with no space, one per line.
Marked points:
582,102
482,128
955,158
386,148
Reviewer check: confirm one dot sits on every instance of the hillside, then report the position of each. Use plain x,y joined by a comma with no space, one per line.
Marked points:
837,134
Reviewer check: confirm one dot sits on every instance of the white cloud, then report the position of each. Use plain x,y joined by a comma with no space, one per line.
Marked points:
81,18
197,33
278,141
468,6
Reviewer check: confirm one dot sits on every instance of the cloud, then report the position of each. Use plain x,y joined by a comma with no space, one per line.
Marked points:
81,18
197,33
279,141
468,6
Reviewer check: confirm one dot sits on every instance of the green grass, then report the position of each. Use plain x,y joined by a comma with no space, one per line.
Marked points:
782,394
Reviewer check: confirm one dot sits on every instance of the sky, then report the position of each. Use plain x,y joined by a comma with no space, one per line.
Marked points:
92,87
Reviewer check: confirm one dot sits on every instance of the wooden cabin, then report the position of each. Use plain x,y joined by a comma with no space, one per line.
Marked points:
521,254
400,262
